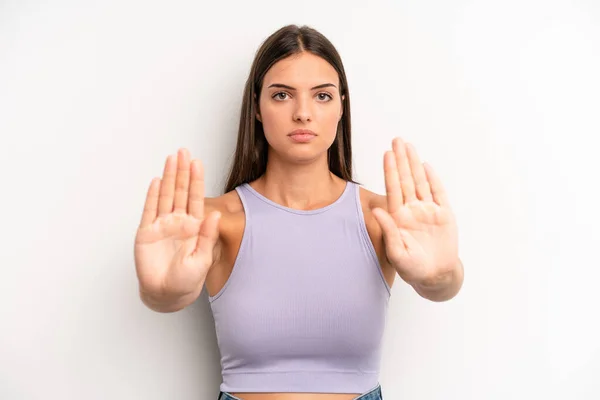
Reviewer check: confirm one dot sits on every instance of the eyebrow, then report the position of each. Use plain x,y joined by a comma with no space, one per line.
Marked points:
281,85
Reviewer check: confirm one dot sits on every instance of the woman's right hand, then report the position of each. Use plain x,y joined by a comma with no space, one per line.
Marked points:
175,240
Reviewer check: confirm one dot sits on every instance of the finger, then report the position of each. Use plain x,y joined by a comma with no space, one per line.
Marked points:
418,172
209,233
391,234
392,182
182,181
437,189
406,180
151,204
167,186
196,195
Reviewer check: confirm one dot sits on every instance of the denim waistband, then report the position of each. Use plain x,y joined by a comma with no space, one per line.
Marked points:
373,394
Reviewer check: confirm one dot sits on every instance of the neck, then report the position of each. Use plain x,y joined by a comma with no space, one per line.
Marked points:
300,186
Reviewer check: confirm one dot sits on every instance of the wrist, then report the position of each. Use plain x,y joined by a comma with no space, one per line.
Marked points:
442,286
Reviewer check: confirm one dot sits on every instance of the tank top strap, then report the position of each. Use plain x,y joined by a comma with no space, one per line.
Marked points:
242,192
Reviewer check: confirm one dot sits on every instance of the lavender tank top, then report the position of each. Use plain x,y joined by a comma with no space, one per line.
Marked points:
304,309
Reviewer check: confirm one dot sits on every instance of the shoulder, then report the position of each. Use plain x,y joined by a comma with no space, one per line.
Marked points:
231,228
227,204
370,200
232,222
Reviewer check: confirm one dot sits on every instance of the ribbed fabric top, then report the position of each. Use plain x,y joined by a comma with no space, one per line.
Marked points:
305,306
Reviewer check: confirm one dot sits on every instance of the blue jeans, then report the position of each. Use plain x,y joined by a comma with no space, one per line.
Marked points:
374,394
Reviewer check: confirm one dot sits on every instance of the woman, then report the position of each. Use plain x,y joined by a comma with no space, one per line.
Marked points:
297,259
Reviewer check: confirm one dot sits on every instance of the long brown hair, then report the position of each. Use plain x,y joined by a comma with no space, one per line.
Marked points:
250,159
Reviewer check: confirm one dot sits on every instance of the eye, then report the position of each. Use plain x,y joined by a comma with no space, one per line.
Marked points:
279,96
324,96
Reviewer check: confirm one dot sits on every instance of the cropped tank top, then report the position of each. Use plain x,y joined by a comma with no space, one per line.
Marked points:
305,306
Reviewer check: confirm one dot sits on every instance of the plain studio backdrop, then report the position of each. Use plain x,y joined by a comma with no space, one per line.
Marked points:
501,97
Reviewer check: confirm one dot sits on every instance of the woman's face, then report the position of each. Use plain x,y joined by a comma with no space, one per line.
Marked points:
300,94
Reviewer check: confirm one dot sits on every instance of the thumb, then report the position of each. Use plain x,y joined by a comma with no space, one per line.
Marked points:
209,233
391,233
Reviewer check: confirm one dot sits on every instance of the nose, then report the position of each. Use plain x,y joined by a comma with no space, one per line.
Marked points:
302,112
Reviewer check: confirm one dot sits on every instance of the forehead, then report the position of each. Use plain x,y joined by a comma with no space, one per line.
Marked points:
301,69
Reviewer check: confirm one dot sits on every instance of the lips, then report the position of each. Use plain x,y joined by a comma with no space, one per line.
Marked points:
302,132
302,135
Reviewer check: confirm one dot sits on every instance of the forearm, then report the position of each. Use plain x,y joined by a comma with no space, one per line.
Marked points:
165,303
444,287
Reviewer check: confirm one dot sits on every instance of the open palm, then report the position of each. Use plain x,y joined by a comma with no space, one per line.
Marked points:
419,228
175,240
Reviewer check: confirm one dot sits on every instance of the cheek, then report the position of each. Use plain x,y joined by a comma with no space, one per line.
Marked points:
332,117
274,119
328,121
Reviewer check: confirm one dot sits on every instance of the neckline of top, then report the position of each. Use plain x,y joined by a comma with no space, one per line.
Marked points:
295,210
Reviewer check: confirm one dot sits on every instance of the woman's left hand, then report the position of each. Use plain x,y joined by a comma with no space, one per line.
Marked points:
419,228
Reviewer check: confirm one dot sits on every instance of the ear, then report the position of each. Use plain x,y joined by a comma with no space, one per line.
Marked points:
257,109
342,107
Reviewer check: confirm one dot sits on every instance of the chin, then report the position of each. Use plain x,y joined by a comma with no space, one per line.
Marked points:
287,149
305,153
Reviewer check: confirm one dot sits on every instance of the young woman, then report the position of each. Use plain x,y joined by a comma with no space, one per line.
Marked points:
297,258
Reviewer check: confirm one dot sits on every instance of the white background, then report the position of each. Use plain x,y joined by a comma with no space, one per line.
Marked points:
501,97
